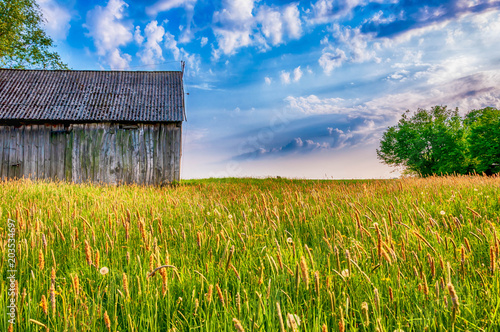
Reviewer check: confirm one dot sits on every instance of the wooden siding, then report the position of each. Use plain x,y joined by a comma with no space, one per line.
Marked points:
92,152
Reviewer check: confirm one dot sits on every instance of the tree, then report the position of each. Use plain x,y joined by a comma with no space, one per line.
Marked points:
427,143
484,139
23,42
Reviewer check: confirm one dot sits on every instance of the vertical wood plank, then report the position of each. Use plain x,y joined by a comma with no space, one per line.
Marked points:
3,155
47,152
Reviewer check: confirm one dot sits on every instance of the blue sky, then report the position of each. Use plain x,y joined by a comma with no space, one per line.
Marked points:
301,89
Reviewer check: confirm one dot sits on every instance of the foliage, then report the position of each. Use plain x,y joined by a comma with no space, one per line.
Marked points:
440,141
364,255
484,139
23,42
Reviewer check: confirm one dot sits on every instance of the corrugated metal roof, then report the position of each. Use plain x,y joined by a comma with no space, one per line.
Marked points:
91,96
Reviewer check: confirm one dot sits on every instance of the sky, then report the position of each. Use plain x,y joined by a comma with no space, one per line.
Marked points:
299,89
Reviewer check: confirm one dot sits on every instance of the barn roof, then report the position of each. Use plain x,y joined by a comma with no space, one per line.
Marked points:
91,96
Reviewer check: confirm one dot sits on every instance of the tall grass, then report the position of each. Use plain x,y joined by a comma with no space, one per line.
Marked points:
255,255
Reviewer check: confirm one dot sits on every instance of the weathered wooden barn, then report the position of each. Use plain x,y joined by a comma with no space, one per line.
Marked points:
98,126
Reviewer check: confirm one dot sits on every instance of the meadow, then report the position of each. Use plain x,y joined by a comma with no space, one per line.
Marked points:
254,255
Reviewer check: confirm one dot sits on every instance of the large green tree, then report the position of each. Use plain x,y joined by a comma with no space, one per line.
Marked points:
484,139
427,143
23,42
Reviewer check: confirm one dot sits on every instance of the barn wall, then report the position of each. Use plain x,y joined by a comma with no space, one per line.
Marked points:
94,152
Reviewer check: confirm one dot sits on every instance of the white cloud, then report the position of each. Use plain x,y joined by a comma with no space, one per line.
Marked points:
56,17
138,36
272,27
297,74
355,42
166,5
331,59
349,44
204,41
109,31
292,22
285,77
234,24
314,105
278,23
324,11
192,60
267,80
152,51
450,69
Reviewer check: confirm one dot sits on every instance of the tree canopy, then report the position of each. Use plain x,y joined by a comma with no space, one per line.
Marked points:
440,141
23,42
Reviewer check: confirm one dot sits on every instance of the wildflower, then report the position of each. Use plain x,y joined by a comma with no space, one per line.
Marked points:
442,213
345,273
230,216
289,240
104,270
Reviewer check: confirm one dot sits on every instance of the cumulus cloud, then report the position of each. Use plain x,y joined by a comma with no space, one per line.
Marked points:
109,30
241,23
138,36
267,80
277,23
233,25
56,17
204,41
152,52
192,60
285,77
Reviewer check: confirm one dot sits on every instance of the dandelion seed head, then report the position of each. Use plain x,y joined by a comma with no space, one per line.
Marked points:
104,270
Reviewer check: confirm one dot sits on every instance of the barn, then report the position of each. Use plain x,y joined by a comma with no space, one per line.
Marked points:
114,127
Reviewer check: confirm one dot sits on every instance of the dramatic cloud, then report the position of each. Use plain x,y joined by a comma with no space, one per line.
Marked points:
427,13
109,30
56,17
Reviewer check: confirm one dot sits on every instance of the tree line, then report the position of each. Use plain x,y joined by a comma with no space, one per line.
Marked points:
440,141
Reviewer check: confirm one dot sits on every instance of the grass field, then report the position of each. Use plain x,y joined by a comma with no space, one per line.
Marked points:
254,255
